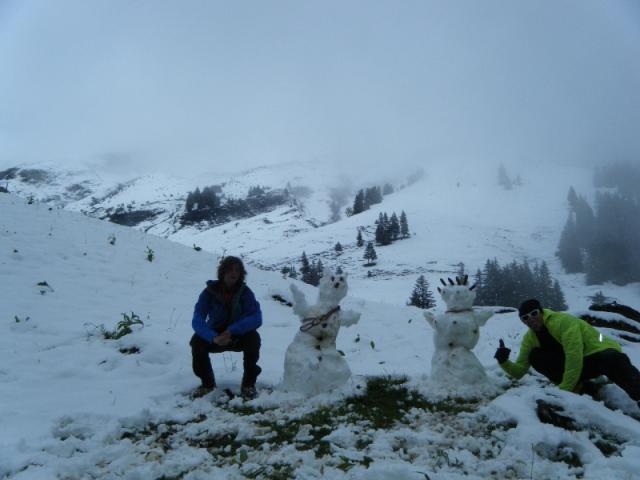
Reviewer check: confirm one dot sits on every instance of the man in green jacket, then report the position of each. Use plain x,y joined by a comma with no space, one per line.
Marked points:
568,351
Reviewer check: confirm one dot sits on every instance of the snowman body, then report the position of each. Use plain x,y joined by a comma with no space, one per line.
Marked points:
312,363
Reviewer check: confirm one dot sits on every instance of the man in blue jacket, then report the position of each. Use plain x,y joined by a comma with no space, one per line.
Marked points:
226,318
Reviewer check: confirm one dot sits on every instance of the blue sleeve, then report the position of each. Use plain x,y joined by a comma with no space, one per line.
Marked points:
251,315
199,322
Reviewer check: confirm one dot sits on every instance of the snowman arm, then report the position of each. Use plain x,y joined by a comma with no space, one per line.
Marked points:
349,317
430,317
300,306
481,316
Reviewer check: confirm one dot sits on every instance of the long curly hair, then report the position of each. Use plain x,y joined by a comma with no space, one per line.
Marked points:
227,263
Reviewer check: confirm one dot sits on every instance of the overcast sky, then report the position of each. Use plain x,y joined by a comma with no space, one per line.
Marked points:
206,85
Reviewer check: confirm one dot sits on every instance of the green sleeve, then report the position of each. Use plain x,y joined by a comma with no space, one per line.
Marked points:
518,368
571,341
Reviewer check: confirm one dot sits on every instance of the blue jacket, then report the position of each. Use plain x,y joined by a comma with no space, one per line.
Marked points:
210,318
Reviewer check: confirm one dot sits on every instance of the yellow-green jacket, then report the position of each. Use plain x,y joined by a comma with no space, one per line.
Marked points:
578,340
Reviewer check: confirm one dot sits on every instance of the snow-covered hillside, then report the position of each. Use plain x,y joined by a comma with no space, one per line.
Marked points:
457,213
75,405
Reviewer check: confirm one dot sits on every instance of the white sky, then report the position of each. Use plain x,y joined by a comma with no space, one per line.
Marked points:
203,84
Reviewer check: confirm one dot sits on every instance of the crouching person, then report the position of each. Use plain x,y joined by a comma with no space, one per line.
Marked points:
569,352
226,318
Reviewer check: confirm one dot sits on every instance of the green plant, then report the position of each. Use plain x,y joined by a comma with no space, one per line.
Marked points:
196,247
112,239
123,327
150,254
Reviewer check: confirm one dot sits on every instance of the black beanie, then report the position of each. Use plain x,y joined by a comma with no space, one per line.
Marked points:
529,306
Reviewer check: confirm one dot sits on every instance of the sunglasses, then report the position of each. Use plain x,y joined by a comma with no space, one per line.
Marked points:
533,314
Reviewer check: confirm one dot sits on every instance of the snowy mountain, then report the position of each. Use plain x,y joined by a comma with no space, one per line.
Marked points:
456,213
74,404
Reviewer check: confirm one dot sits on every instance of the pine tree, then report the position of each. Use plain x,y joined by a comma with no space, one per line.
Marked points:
197,199
558,301
318,269
338,248
421,296
380,229
404,226
359,239
292,272
387,189
305,269
370,254
285,271
394,226
569,248
189,202
358,203
386,230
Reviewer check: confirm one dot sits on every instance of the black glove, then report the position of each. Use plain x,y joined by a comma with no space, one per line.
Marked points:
502,353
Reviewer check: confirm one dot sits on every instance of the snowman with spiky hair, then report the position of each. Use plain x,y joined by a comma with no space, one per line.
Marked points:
312,364
457,331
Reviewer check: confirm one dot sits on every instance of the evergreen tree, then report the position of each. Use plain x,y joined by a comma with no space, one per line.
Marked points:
359,239
197,199
189,202
380,229
480,291
569,248
387,189
613,254
292,272
386,230
338,248
557,300
515,282
394,227
305,269
285,271
370,254
404,226
421,296
461,269
358,203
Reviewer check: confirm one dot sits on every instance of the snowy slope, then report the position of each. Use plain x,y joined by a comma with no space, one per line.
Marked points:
69,397
457,213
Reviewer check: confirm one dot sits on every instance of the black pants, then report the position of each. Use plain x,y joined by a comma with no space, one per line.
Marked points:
248,344
615,365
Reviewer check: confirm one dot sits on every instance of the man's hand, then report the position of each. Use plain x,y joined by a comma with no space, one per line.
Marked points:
223,339
502,353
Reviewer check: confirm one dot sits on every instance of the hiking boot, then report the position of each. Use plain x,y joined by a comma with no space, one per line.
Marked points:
592,387
249,378
248,392
203,390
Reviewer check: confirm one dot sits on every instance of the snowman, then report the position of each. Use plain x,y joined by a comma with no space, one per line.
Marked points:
457,331
312,364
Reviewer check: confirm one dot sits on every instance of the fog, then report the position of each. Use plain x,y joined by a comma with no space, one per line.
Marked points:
200,85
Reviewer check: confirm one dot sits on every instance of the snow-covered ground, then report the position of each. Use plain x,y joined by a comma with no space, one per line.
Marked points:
73,406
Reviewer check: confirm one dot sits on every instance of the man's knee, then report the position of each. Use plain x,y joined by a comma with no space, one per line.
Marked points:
251,341
198,345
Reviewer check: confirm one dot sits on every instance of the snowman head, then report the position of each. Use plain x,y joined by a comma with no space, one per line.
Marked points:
332,287
458,296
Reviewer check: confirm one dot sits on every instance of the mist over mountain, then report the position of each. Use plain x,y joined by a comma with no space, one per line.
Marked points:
206,86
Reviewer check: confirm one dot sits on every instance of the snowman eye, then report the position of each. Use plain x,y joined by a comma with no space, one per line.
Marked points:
342,279
333,279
